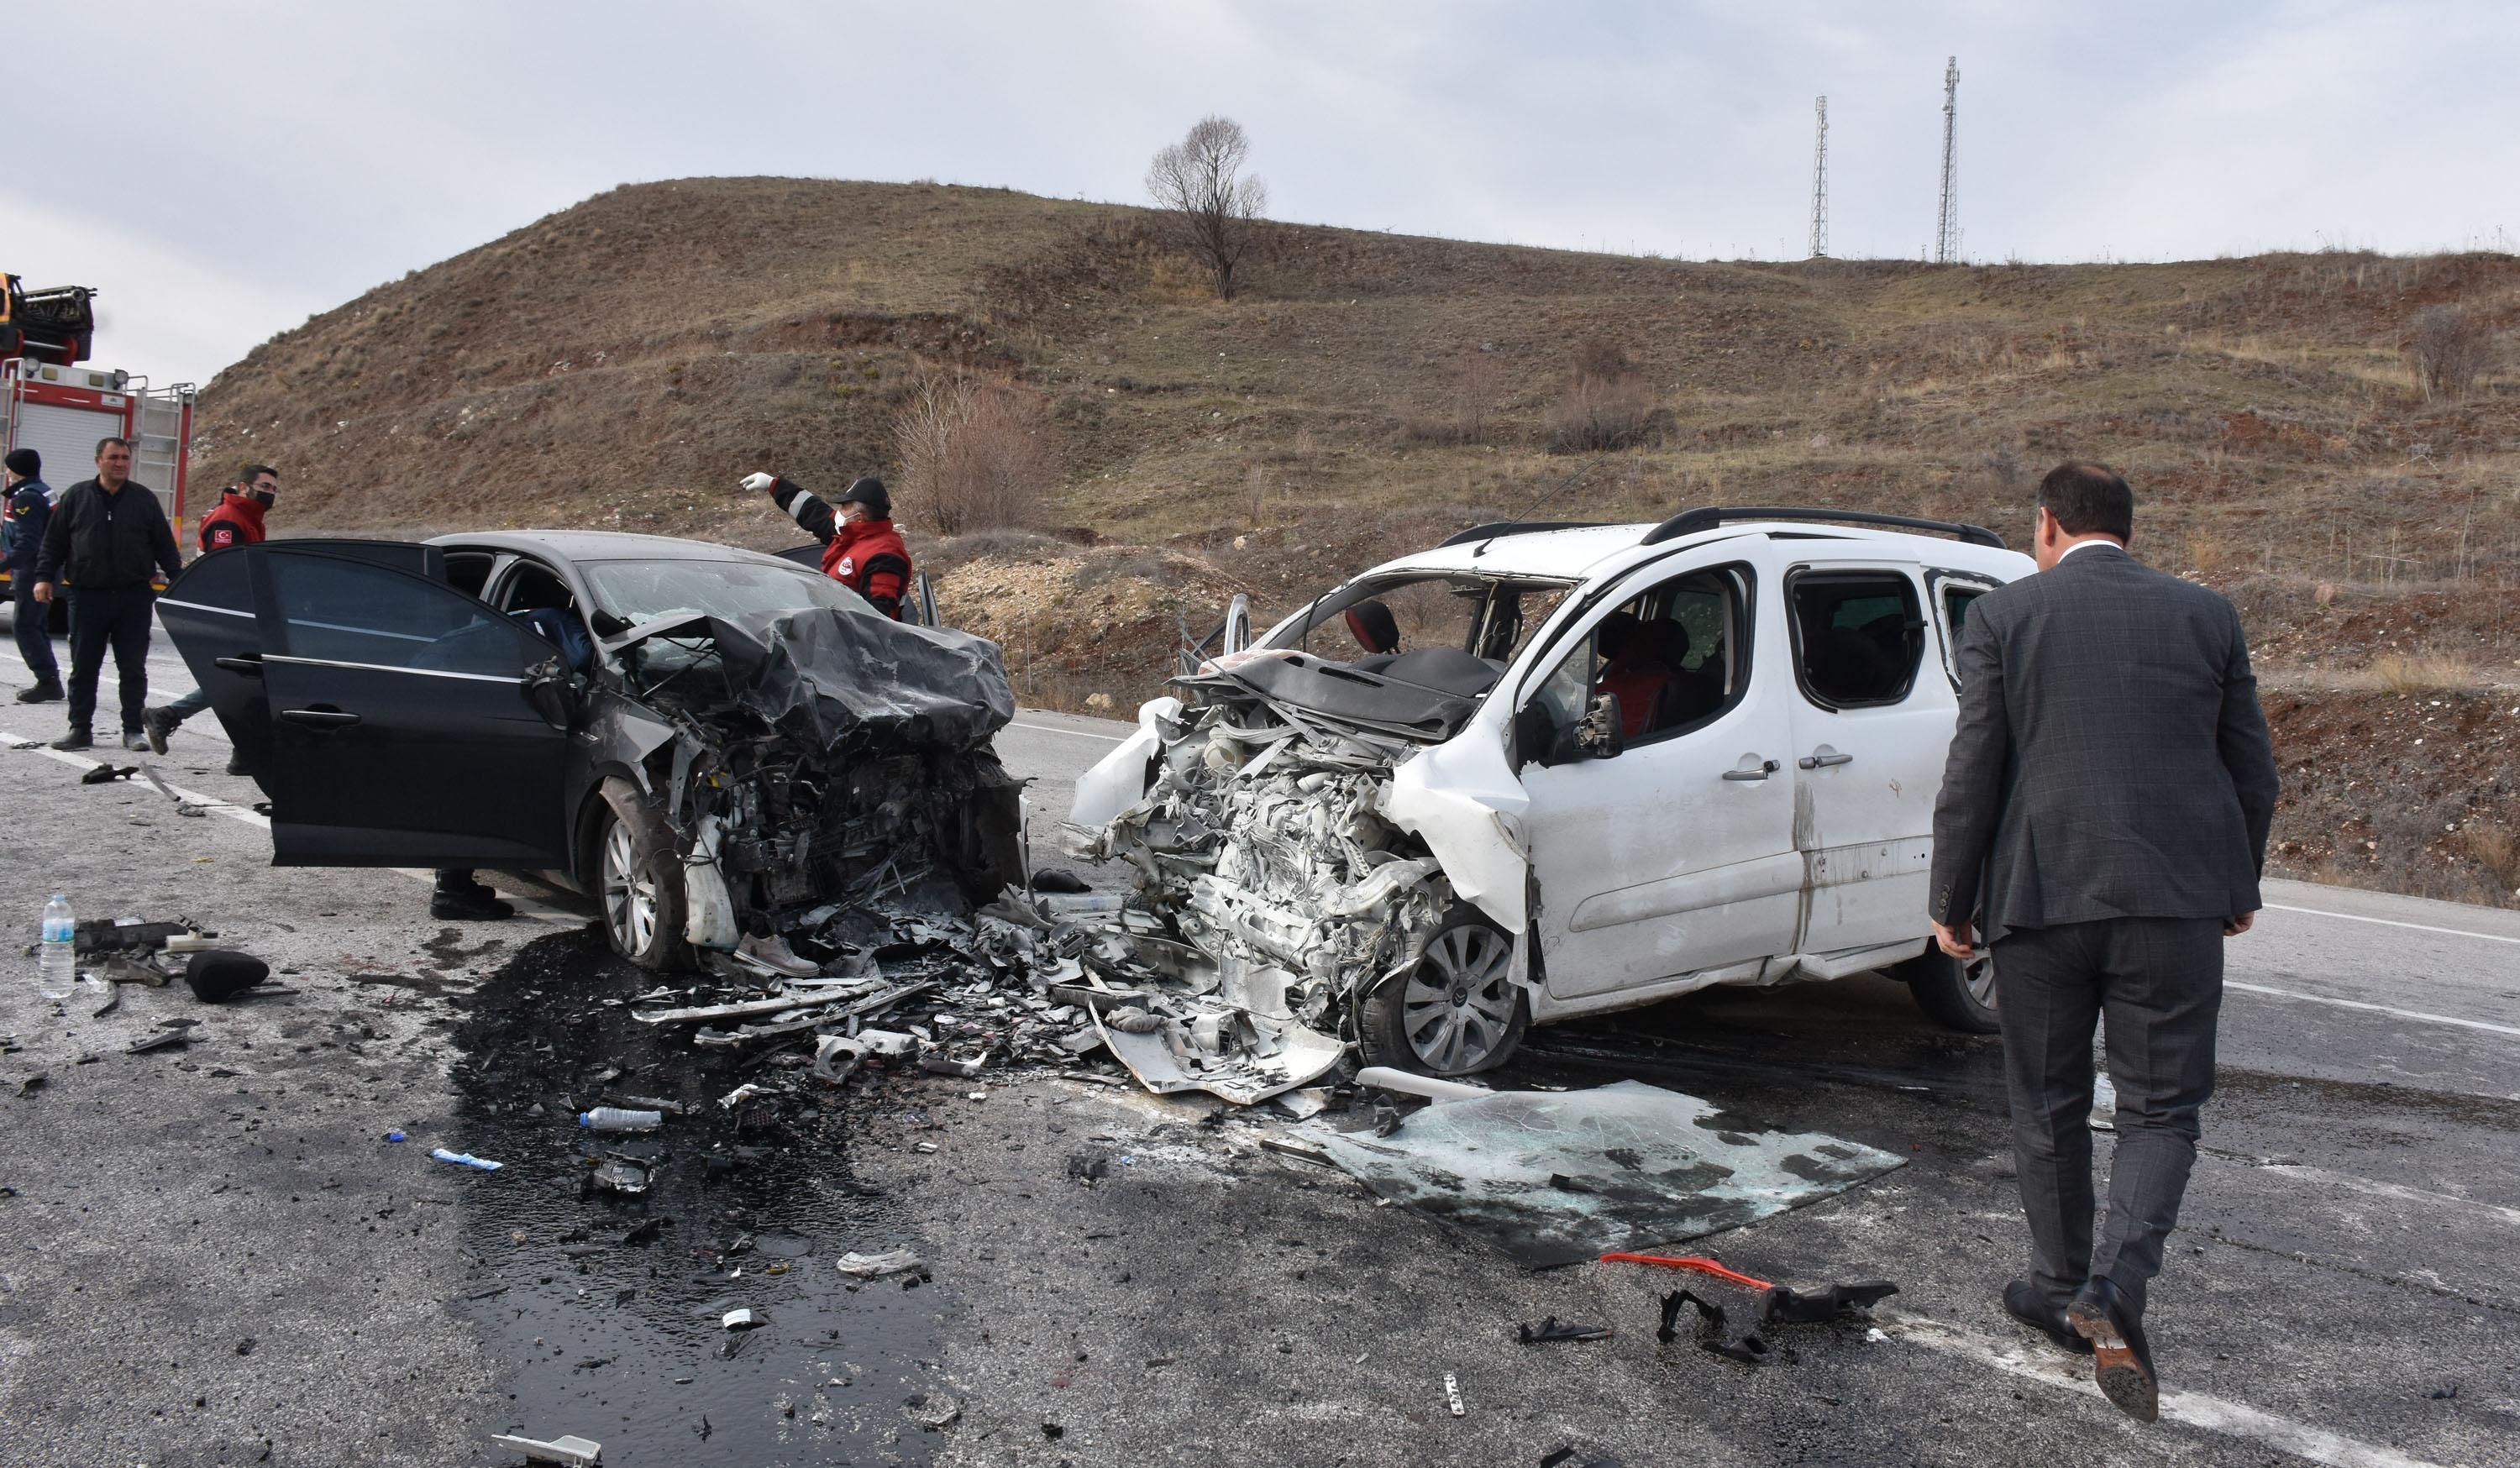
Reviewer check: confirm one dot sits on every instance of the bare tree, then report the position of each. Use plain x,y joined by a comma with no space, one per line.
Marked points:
1207,203
2452,347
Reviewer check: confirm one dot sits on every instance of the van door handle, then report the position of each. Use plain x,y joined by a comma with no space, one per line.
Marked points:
1766,769
250,665
319,718
1822,761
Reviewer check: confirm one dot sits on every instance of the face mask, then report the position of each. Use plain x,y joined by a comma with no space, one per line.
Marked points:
262,497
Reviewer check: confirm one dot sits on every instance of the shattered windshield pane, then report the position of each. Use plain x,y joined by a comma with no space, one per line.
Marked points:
639,591
1488,618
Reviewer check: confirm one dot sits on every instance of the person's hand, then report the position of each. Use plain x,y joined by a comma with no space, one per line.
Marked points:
43,591
1960,940
2240,924
759,483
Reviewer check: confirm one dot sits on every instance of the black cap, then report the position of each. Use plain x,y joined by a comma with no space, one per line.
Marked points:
868,490
28,463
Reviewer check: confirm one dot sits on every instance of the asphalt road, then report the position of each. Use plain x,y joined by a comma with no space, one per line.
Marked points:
209,1255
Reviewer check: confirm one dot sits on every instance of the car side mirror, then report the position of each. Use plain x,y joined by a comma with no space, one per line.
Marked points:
548,690
1599,735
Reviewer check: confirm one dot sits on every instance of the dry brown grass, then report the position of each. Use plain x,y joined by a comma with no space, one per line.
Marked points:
2422,673
2495,849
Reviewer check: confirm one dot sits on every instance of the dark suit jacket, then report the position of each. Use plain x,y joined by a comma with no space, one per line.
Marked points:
2110,758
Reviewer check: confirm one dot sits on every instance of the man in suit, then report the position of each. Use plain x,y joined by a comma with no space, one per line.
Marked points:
2101,827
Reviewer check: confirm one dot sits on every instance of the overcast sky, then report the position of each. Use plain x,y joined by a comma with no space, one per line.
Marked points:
222,171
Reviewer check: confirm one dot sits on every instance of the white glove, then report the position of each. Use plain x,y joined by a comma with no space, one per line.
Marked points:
759,483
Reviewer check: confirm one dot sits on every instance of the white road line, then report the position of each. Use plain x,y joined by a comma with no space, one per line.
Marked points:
2391,922
2378,1190
1078,733
2194,1408
2320,999
259,822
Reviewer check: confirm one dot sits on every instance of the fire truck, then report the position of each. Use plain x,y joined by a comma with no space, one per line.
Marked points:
53,404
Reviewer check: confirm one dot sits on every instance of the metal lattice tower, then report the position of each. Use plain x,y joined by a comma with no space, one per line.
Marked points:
1820,183
1947,229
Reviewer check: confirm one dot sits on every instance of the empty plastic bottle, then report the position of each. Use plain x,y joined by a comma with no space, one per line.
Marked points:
58,969
616,1119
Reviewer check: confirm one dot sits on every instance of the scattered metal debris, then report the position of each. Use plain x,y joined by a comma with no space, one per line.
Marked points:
570,1450
1751,1349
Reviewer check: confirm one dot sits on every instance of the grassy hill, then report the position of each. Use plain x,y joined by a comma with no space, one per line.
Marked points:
625,362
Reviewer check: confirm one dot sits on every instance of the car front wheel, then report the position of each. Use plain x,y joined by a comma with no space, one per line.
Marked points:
639,882
1456,1010
1953,994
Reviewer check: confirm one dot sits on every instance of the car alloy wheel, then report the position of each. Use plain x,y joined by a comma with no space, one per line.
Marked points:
629,894
1457,1006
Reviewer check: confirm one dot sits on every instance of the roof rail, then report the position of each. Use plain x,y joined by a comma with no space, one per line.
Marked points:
1515,528
1708,518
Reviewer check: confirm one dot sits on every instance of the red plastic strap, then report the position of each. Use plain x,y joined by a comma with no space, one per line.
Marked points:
1688,1261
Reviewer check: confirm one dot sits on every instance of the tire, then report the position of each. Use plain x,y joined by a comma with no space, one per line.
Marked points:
638,881
1456,1010
1954,997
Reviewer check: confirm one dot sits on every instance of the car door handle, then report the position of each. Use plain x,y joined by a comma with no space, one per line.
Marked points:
251,666
1822,761
319,718
1766,769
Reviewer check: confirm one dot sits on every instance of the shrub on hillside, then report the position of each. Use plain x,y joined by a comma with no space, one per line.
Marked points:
975,454
2451,347
1467,411
1607,404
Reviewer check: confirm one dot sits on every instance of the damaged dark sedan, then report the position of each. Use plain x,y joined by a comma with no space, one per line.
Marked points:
716,745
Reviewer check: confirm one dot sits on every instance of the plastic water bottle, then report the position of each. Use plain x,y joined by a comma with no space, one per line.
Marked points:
616,1119
58,966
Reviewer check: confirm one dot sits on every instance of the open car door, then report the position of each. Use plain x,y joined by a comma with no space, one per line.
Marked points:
209,611
400,723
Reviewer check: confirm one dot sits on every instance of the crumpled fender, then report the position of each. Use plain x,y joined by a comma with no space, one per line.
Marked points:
1462,800
1120,780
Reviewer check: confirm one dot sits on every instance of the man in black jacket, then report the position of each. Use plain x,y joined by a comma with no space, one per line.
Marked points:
108,534
2111,781
30,508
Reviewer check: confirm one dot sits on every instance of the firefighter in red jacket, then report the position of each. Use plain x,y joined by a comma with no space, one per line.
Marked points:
861,550
236,520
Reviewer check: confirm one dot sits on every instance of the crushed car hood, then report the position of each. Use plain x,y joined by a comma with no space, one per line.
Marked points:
832,677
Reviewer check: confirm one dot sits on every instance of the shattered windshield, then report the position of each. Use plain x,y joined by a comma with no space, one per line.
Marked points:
639,591
1488,617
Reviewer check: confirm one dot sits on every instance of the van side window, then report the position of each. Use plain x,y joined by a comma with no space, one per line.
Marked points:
1859,637
1676,657
1956,596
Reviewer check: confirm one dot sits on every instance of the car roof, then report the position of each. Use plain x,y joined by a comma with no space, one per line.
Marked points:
1590,551
602,545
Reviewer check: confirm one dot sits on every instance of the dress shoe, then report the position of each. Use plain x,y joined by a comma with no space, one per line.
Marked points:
76,738
467,902
236,765
2122,1358
2022,1303
158,723
135,741
42,693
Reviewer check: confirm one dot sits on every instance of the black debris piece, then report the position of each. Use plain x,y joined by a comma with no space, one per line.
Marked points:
1780,1304
1749,1350
105,775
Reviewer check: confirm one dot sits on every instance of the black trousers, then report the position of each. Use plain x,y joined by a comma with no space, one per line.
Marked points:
2160,982
32,626
117,617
